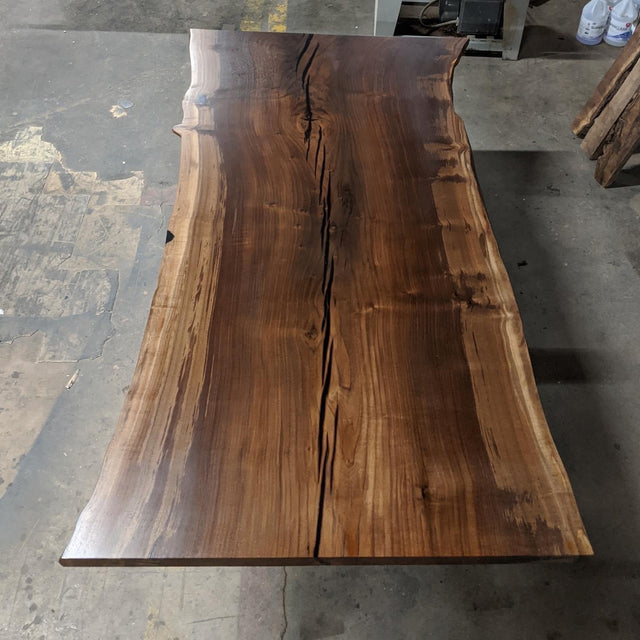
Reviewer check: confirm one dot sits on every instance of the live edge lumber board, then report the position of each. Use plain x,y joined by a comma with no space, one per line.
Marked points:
334,368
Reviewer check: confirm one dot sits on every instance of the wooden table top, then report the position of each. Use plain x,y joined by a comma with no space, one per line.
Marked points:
334,368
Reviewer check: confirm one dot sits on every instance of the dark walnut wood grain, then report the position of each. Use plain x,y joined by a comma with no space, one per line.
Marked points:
334,368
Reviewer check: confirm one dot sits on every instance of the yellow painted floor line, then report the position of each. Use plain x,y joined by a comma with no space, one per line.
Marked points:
278,17
254,10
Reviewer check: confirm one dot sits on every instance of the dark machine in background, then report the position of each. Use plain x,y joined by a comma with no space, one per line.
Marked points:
475,17
492,26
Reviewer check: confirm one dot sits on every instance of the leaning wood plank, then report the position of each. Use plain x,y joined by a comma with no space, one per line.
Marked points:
334,368
608,86
622,141
592,144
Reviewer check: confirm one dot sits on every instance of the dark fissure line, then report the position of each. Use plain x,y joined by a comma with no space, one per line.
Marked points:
307,42
328,268
327,368
323,405
315,166
326,221
324,158
308,65
308,113
325,231
323,486
308,116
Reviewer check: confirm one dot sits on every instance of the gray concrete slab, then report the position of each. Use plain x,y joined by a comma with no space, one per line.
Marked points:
87,182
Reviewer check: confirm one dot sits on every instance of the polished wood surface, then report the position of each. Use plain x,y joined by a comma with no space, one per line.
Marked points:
334,368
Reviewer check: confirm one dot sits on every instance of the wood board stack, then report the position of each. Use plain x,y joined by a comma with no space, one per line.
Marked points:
610,120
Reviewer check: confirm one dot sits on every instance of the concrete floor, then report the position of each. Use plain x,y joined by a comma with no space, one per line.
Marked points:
88,166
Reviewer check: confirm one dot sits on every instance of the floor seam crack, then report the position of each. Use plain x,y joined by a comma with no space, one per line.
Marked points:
284,605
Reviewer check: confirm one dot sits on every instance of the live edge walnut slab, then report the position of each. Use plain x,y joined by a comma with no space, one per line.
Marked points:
334,368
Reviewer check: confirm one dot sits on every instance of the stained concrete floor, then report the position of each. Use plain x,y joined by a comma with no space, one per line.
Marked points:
88,166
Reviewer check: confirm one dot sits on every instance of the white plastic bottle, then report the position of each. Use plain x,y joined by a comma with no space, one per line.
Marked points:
621,20
593,22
